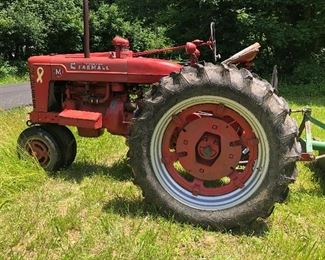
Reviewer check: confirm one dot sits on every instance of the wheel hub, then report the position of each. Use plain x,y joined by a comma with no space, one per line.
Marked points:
39,150
202,149
207,148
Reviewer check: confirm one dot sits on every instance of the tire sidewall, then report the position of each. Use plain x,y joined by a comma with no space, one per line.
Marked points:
245,211
37,133
66,141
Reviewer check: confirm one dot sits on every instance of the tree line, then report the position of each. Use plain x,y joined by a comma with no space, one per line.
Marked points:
291,32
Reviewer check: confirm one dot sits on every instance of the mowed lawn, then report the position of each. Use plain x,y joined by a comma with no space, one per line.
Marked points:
93,209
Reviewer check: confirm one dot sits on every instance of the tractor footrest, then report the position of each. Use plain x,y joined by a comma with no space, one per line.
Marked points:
80,118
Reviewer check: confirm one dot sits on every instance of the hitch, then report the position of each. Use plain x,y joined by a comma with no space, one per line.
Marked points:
309,144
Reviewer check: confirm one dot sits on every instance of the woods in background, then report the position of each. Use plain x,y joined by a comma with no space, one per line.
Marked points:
291,32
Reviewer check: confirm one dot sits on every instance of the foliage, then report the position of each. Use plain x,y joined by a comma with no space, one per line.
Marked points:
310,70
6,68
108,21
291,31
21,30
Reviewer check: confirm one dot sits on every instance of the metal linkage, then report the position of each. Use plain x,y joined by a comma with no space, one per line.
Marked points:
309,144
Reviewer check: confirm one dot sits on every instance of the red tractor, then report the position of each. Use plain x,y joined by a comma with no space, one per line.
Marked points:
211,143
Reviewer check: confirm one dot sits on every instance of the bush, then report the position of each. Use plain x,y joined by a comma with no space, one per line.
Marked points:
6,69
311,71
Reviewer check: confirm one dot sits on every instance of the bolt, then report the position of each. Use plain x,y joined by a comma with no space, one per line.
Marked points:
214,127
182,154
201,170
185,142
231,156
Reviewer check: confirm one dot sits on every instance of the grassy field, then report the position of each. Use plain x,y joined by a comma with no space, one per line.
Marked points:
93,210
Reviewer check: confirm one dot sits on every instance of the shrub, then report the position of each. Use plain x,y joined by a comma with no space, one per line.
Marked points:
311,71
6,69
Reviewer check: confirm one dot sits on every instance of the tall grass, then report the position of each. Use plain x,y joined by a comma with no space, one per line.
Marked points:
93,210
16,175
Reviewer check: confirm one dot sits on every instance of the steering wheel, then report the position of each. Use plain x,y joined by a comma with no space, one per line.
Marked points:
213,41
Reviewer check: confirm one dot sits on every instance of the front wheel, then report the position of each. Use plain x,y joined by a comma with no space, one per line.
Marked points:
214,146
42,145
66,141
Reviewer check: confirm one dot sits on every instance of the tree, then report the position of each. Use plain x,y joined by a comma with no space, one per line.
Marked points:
291,32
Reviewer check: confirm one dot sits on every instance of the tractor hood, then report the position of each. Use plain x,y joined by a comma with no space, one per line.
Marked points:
103,67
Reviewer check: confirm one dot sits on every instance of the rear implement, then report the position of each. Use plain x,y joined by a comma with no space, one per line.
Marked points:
310,144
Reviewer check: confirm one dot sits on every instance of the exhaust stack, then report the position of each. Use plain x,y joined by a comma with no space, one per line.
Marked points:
86,28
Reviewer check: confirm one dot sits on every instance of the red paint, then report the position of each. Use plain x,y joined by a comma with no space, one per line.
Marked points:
115,120
79,118
306,157
98,84
192,139
89,132
120,42
208,147
38,149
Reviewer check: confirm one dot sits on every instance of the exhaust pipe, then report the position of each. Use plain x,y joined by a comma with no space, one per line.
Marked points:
86,28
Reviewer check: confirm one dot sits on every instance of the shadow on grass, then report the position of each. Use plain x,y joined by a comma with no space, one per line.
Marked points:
319,175
139,208
119,170
303,95
134,208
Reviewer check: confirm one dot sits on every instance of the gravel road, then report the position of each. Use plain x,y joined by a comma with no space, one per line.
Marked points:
15,95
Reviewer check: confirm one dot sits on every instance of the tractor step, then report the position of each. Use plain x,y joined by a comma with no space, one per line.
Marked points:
80,118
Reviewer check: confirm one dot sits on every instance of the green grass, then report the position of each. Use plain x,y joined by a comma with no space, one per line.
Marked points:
93,210
12,79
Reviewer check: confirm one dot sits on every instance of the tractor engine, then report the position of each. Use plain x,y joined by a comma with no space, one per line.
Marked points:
111,100
93,93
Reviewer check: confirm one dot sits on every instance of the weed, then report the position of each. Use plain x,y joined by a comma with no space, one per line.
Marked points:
93,210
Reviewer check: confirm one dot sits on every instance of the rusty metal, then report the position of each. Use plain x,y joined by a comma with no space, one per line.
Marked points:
203,148
39,150
244,56
212,159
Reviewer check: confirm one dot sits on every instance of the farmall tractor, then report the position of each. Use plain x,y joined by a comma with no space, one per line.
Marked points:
210,143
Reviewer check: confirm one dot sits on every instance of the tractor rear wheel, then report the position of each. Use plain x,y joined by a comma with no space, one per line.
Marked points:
42,145
215,146
66,140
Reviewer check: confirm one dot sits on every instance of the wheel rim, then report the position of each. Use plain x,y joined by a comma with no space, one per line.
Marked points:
209,152
39,150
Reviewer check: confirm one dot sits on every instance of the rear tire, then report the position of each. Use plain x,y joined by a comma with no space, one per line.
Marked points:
194,100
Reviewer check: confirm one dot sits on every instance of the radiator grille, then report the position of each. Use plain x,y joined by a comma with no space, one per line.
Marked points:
33,84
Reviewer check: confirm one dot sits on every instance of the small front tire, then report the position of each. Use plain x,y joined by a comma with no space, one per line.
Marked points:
42,145
66,141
